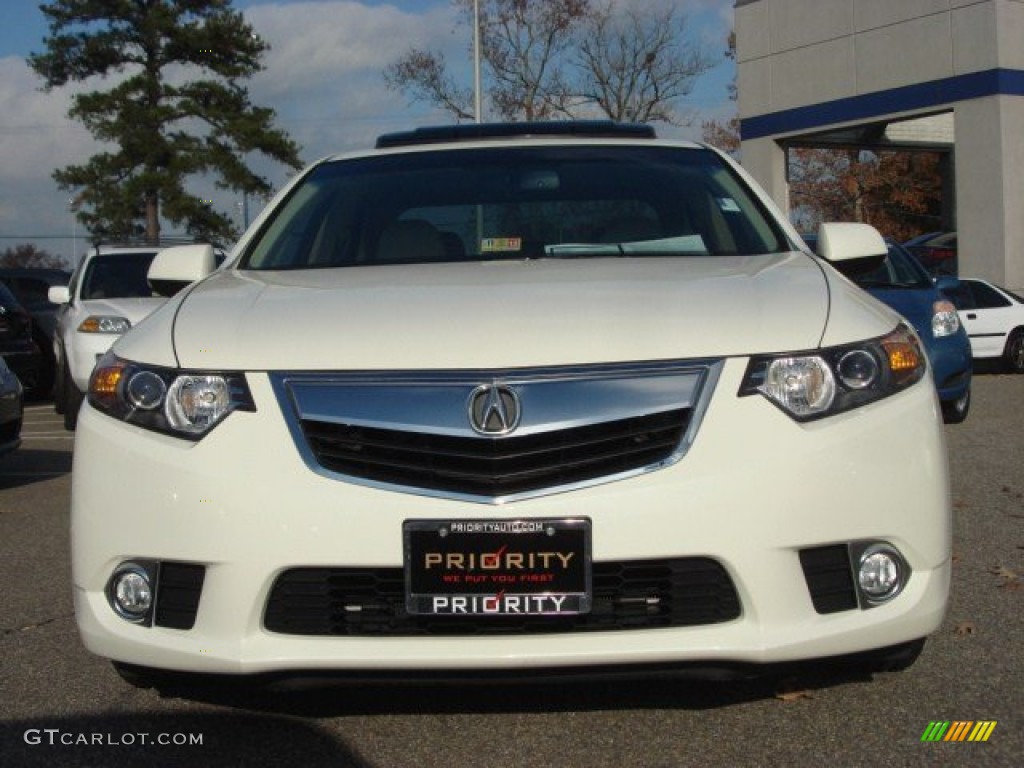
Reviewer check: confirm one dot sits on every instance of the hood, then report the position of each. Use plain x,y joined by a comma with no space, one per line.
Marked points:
502,314
135,310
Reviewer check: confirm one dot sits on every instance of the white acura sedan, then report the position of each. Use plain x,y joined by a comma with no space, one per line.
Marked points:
512,398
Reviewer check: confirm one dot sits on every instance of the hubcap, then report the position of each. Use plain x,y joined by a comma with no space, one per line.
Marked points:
1017,353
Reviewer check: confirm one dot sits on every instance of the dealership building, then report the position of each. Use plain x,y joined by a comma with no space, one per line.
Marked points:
934,75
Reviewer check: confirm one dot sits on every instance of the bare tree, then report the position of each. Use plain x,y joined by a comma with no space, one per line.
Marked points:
897,192
637,62
547,59
424,77
27,255
725,134
525,42
524,45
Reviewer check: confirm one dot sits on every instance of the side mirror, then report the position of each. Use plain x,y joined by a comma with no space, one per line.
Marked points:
946,284
174,268
58,294
847,241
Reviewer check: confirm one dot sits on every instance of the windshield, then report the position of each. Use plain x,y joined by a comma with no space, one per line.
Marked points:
117,276
515,203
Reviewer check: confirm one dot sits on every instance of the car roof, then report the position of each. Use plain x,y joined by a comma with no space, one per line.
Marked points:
514,136
101,249
452,134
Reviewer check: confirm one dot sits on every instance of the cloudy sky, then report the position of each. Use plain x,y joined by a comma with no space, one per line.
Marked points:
322,77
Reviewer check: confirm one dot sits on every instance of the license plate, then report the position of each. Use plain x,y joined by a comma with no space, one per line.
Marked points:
497,567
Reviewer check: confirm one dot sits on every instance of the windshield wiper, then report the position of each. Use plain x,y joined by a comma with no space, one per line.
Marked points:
583,250
683,245
886,284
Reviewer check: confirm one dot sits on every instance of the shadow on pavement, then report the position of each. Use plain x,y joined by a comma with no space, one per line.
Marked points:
26,466
340,697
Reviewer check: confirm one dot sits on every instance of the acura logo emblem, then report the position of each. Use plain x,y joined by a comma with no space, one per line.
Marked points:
494,409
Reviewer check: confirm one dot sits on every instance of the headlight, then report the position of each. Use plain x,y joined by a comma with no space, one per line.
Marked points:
945,321
812,385
104,324
186,404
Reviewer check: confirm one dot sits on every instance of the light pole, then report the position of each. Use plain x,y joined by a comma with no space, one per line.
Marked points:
73,207
476,60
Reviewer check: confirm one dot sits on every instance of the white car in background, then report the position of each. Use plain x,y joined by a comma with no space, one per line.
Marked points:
994,320
108,293
512,398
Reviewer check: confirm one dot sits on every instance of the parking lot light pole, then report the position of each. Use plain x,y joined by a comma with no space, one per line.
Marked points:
476,60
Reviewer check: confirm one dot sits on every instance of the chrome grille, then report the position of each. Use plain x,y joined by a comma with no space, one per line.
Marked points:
416,432
496,466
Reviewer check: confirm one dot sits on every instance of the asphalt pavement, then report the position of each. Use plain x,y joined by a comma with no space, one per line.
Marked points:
59,705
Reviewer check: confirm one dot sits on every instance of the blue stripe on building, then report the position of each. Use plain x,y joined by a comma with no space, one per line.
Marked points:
935,93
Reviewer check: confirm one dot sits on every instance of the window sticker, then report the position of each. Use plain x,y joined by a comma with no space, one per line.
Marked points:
727,204
501,244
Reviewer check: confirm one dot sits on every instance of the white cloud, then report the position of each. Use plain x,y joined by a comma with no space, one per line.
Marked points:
36,138
323,73
317,45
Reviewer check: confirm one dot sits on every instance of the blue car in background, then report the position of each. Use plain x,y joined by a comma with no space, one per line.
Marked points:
902,283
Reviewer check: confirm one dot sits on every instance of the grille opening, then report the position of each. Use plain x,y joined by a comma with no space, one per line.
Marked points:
496,466
829,577
178,592
627,595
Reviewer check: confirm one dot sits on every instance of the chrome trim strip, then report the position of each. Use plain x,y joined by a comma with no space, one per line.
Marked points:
552,399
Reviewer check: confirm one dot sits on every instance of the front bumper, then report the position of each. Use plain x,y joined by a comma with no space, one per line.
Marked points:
952,365
84,352
754,489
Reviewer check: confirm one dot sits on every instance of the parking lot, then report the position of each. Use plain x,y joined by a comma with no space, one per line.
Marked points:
59,705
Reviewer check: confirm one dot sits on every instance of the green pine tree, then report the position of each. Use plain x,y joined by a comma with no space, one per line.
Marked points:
176,109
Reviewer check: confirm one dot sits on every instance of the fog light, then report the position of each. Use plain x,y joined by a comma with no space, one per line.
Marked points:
130,592
880,573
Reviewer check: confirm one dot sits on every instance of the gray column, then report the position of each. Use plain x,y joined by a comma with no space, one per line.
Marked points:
990,189
765,160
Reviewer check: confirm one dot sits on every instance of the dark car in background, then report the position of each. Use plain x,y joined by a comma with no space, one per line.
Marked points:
11,409
30,286
936,252
903,284
17,347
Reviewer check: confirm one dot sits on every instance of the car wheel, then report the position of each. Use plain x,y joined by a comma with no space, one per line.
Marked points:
58,387
1014,352
72,401
896,658
955,411
45,380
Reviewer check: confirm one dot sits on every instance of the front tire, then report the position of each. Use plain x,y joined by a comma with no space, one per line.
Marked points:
955,411
58,386
72,401
45,378
1013,355
897,658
